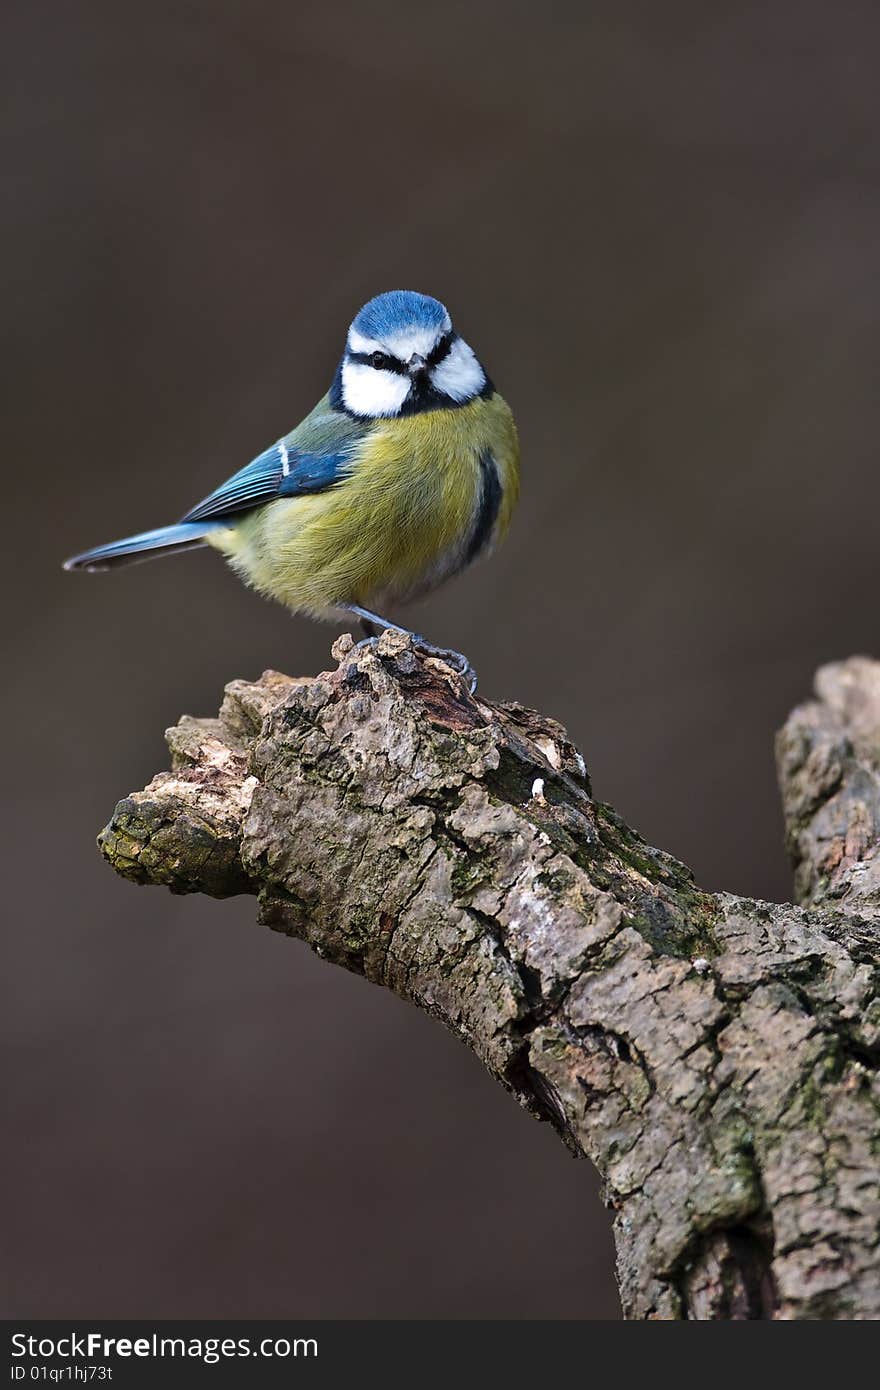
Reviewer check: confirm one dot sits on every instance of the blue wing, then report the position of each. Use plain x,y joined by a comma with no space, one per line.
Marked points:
314,456
281,471
311,458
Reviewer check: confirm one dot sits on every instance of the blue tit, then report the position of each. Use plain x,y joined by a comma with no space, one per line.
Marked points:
404,472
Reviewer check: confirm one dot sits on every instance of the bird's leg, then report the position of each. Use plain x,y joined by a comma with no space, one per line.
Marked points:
372,623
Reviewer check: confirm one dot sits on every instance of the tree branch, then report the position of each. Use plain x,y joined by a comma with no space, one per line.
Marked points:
714,1056
828,755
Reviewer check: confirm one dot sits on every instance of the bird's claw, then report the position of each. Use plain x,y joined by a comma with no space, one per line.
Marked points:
456,660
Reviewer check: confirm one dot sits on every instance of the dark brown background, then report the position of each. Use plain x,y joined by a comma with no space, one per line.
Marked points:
659,226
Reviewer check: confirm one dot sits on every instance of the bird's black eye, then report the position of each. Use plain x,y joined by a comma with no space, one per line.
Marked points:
379,360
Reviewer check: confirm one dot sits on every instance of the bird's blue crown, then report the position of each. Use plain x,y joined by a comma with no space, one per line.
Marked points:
397,309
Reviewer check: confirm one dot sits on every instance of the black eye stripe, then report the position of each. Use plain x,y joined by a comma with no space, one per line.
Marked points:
390,364
441,349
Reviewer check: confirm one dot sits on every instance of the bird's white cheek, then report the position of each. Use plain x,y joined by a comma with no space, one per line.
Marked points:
459,375
368,391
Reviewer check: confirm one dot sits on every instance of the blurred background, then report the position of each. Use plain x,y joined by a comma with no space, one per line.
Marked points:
659,226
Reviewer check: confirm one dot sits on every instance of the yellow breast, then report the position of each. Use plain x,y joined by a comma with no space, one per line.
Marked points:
399,523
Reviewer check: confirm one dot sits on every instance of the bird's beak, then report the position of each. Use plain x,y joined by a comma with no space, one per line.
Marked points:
416,364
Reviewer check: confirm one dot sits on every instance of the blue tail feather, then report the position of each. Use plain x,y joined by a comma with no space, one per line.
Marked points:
165,541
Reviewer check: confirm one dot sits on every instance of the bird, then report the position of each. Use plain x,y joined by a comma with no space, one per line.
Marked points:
403,474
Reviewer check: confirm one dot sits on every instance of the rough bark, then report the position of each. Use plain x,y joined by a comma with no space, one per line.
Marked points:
714,1056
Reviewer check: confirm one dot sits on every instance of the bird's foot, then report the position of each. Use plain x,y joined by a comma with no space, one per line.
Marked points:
456,660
